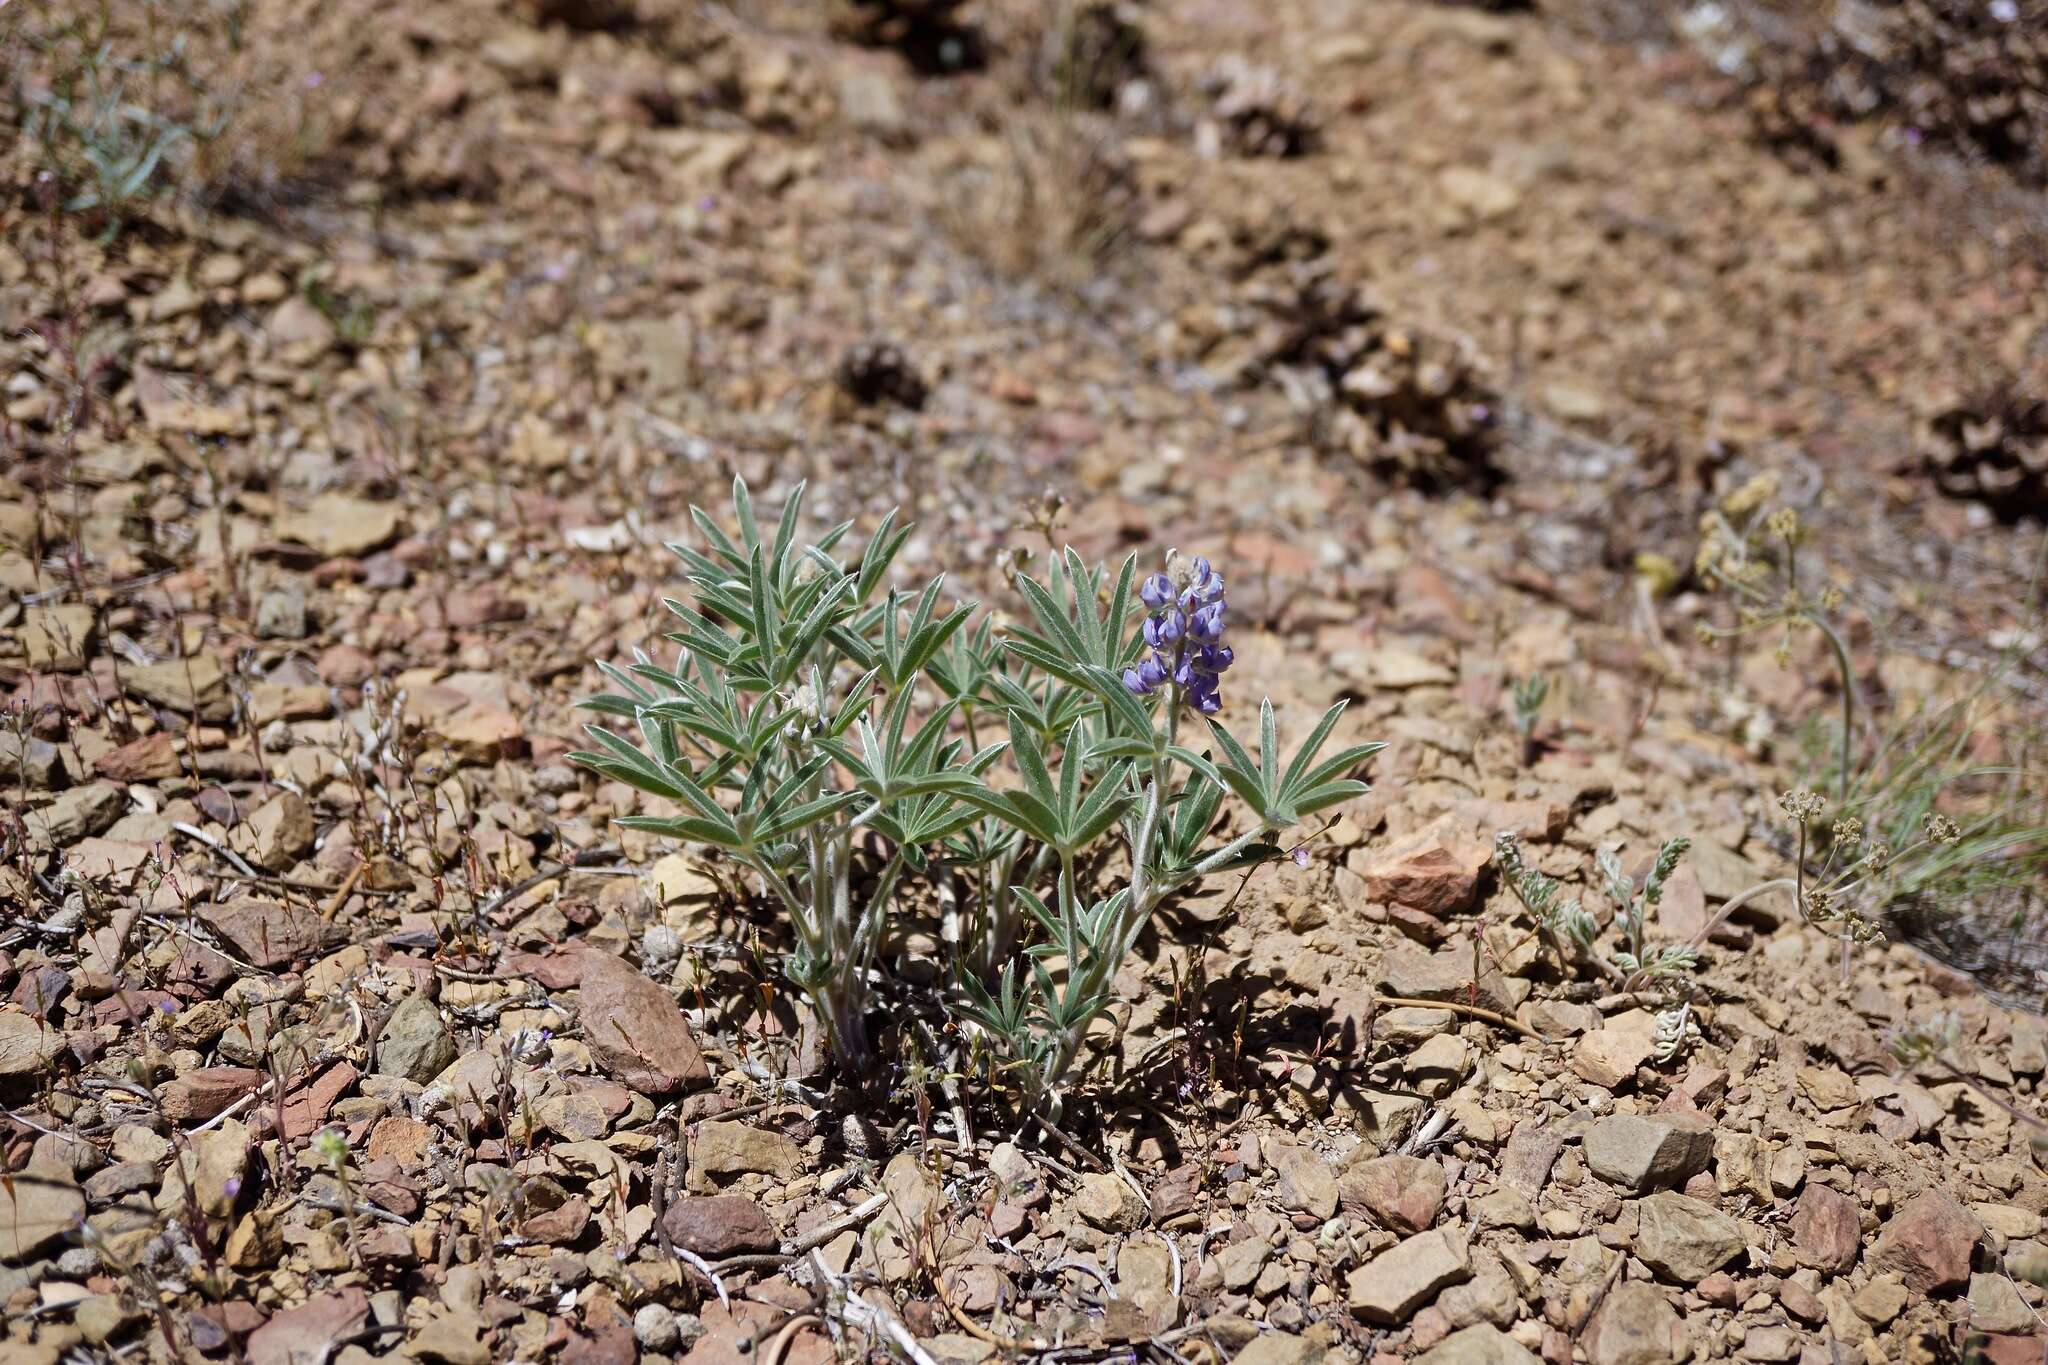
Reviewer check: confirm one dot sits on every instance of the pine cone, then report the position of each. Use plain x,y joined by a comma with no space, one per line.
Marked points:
1991,448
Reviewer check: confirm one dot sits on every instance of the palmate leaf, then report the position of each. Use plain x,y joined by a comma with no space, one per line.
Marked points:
1282,797
1058,812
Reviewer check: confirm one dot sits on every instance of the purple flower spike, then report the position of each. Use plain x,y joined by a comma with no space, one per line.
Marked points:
1184,632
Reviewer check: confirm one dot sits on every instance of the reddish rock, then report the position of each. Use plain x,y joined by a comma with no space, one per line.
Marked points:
1827,1229
152,758
1720,1290
306,1109
635,1030
272,935
345,666
306,1334
718,1225
1801,1303
1930,1242
1404,1192
199,1095
1435,870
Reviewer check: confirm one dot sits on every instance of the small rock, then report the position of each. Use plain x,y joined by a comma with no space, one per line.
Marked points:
1404,1192
307,1332
1526,1161
1642,1152
201,1094
415,1043
1503,1208
456,1337
868,101
1930,1242
1435,870
1609,1055
718,1225
1479,194
1636,1325
79,812
30,758
1719,1289
1827,1230
55,638
38,1207
277,834
281,614
197,686
1393,1285
635,1030
336,525
151,758
1242,1260
1306,1183
1684,1239
1772,1342
1880,1301
1797,1300
1281,1348
1480,1344
654,1327
1107,1202
735,1148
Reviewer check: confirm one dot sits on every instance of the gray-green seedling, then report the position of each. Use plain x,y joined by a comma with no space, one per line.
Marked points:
1573,932
825,733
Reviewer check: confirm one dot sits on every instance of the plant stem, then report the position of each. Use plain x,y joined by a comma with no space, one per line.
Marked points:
1737,901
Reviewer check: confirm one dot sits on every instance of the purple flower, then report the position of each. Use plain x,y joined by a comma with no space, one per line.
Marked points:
1184,632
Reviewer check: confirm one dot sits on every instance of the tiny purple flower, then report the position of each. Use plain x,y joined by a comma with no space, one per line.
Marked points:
1155,592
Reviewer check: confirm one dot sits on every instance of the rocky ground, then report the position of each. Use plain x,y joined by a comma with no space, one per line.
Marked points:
343,1024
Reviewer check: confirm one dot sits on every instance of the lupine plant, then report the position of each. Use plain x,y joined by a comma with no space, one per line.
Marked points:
827,734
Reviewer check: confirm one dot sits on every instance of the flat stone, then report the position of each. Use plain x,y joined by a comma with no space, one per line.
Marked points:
718,1225
1609,1056
151,758
277,833
77,813
1404,1192
38,1206
725,1148
1526,1161
1881,1301
1995,1306
1407,1276
196,686
1435,870
1447,975
1503,1208
56,637
335,525
1686,1239
635,1030
1642,1152
200,1094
